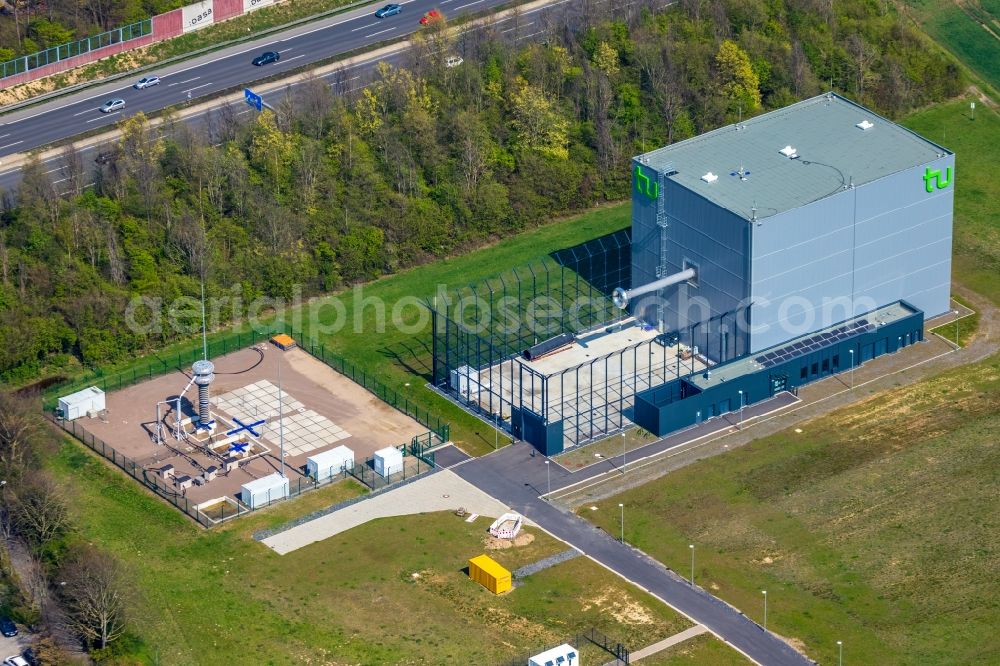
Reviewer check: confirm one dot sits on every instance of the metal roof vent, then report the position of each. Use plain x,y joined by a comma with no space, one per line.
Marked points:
789,152
710,177
865,125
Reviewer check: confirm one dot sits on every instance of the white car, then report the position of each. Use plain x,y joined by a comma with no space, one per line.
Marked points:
113,105
146,81
453,61
16,660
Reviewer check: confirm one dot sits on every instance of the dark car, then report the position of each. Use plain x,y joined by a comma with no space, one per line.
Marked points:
30,657
7,627
389,10
267,57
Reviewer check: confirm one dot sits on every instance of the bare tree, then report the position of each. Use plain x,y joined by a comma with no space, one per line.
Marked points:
72,168
40,512
96,596
864,56
36,584
20,425
315,104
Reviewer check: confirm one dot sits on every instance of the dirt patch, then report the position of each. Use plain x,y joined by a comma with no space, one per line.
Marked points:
984,99
493,543
622,609
796,644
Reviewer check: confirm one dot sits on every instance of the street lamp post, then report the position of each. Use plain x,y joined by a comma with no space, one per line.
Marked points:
851,352
496,431
741,410
840,653
548,482
622,507
764,592
691,547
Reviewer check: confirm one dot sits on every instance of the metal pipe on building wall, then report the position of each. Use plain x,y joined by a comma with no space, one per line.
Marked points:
621,297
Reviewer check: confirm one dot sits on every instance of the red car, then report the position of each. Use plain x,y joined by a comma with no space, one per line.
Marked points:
432,15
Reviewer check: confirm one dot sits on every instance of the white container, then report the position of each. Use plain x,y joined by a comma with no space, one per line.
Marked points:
330,463
564,655
77,404
261,492
388,461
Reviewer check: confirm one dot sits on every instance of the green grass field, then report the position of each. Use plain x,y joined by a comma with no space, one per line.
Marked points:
959,32
206,596
697,651
877,525
401,359
976,261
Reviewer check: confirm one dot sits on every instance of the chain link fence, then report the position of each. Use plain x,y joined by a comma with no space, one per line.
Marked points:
418,453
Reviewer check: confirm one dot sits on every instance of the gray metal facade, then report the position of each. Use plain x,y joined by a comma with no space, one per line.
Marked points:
851,253
799,243
699,234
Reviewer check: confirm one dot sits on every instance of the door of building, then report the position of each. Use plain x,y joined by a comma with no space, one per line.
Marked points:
779,383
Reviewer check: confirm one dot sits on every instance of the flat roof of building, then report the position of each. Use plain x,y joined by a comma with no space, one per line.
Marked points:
750,364
832,152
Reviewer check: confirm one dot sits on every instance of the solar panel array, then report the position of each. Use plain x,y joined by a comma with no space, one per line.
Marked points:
815,343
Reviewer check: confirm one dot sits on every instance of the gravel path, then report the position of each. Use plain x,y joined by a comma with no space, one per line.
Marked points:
440,491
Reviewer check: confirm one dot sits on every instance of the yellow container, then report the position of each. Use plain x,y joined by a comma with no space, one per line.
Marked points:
489,574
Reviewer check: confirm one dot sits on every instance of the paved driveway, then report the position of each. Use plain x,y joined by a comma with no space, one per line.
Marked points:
497,476
14,645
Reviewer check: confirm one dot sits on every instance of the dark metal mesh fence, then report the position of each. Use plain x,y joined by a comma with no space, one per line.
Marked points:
418,453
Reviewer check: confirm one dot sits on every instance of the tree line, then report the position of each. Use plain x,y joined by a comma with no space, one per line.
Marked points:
50,579
350,179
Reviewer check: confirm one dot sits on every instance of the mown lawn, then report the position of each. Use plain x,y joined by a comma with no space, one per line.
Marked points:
959,32
976,262
218,597
878,525
704,650
402,358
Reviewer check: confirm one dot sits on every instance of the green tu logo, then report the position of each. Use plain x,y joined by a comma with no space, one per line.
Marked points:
645,185
932,179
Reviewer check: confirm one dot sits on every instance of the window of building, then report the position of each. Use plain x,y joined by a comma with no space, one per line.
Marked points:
826,365
804,372
836,362
815,369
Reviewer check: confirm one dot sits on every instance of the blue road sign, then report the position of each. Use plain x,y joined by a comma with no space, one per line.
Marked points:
253,99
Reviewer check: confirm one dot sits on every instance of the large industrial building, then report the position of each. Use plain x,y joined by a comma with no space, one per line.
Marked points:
762,255
793,221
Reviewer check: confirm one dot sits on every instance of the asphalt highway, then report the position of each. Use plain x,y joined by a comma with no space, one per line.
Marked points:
208,75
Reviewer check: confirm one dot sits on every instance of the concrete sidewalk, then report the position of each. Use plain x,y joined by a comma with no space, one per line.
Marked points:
439,491
649,650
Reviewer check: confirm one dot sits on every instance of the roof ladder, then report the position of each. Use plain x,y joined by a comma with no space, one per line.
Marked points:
662,268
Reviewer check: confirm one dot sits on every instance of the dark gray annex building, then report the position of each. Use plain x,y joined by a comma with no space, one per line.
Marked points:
761,256
793,221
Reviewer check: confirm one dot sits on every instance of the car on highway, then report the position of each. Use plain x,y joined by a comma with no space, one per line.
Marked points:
16,660
146,81
113,105
7,627
432,15
267,57
389,10
453,61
